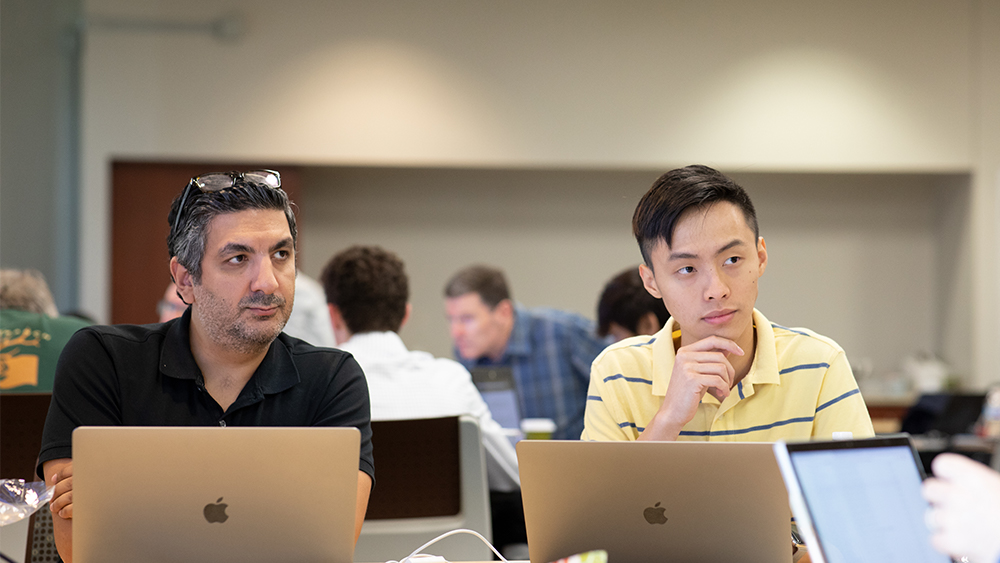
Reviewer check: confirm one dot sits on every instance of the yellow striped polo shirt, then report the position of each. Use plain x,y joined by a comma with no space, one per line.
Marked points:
800,386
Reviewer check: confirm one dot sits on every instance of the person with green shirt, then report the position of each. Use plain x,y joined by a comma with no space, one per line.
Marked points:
32,334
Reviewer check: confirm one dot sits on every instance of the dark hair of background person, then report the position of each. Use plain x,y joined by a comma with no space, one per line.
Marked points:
188,242
487,281
624,301
26,290
369,286
675,192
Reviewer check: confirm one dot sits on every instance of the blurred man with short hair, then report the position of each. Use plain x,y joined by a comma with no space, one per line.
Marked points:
549,352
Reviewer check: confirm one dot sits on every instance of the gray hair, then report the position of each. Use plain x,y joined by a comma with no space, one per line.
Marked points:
26,290
188,242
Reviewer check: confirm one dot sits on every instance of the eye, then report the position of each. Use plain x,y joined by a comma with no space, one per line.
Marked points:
733,259
238,259
686,270
282,254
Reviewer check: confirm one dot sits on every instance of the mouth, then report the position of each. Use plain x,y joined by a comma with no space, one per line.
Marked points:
262,311
719,317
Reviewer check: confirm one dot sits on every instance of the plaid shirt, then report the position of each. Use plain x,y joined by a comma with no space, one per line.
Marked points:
549,353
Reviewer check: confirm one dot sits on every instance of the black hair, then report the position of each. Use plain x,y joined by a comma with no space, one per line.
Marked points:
187,243
369,286
677,191
625,301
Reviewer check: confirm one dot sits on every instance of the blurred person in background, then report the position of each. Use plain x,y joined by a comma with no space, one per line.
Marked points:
549,352
170,306
626,309
368,293
32,334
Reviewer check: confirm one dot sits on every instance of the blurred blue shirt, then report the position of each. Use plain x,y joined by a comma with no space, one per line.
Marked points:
549,353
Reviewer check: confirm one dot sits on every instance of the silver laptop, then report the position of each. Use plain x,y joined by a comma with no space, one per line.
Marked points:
654,501
159,494
858,500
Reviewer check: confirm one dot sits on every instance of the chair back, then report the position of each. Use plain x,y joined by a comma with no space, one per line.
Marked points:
22,418
430,478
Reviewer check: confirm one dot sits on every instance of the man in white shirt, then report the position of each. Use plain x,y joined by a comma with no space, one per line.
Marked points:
367,292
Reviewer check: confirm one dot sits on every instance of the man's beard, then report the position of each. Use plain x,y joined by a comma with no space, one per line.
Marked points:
226,325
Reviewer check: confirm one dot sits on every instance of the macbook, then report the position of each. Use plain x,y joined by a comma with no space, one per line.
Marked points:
173,494
858,501
654,501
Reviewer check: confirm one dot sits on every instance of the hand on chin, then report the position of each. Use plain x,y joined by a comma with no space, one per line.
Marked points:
717,394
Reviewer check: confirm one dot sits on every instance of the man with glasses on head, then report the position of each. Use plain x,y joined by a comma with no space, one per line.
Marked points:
225,361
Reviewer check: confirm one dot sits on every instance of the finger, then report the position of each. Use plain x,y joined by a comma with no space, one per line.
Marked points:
64,472
951,467
715,385
704,357
940,543
712,363
63,487
58,504
67,511
934,490
716,343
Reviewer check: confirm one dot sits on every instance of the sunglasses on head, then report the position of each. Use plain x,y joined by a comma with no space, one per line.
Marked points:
218,181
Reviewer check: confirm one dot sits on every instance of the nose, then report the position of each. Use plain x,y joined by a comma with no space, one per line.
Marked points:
716,287
455,328
264,279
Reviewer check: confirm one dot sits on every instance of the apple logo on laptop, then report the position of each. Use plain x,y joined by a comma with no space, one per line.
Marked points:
653,514
216,512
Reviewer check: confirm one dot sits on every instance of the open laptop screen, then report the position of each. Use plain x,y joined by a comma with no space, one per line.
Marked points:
496,385
863,499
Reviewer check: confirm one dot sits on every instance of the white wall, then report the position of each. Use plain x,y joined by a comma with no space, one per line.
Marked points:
769,86
37,181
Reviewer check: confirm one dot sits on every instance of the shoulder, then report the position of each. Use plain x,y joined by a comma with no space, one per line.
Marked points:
304,353
444,364
635,353
546,315
120,336
544,322
798,348
452,372
795,339
14,322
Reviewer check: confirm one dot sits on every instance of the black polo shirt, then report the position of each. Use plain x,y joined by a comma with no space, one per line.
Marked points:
145,375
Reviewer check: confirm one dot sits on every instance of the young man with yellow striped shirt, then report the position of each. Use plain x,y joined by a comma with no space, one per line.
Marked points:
719,370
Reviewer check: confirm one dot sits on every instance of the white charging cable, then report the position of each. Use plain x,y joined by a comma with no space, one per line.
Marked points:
417,557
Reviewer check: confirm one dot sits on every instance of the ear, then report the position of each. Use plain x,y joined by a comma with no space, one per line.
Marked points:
761,256
406,315
183,280
505,309
649,281
341,333
335,317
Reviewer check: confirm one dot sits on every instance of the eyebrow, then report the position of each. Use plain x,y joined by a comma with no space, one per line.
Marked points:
239,248
283,243
690,256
